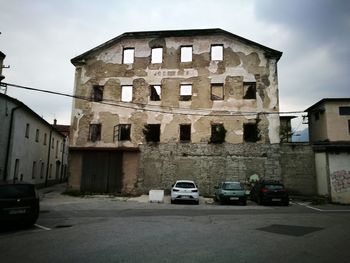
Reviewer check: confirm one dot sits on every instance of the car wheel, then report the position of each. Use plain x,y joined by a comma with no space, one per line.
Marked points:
215,198
196,202
244,202
285,203
260,201
172,201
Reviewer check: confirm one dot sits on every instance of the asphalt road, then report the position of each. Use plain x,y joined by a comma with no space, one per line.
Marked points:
108,230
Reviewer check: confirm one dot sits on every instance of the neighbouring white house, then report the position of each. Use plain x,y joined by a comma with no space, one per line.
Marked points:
31,149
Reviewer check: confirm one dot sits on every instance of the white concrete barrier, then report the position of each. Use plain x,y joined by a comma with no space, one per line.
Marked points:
156,196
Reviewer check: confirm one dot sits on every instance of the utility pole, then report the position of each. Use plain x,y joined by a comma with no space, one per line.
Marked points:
2,57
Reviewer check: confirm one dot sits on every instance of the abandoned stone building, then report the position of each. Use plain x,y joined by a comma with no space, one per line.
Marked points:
153,107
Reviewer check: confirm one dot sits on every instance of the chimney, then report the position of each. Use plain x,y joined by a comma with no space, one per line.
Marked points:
54,122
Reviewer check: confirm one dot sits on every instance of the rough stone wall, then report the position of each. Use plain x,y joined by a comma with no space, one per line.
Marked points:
208,164
298,168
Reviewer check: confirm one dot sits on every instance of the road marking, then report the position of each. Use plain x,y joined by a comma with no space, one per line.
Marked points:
321,210
42,227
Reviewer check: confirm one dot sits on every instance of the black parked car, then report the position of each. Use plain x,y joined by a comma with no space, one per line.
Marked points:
265,192
19,204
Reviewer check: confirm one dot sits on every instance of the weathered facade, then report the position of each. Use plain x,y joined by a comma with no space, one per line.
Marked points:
147,90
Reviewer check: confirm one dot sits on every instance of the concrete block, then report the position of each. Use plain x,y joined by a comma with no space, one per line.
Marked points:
156,196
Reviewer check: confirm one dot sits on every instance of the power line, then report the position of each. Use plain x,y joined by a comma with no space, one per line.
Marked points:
146,107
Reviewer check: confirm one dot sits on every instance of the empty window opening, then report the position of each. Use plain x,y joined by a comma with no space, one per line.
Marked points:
250,132
185,92
152,132
97,93
155,93
344,110
127,93
217,52
157,55
186,54
217,91
37,135
128,55
185,132
27,130
317,115
218,133
50,170
45,139
124,132
95,132
249,90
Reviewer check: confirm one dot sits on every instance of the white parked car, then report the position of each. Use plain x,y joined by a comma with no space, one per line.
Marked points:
185,190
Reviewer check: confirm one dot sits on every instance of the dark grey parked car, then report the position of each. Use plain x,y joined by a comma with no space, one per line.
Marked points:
19,204
232,192
269,192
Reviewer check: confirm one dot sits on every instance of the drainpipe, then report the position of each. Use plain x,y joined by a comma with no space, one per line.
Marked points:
62,158
48,158
9,142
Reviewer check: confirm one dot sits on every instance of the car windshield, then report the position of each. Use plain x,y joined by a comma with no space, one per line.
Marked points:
232,186
16,191
185,185
274,186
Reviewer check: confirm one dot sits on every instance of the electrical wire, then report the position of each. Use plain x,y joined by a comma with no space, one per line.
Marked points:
147,107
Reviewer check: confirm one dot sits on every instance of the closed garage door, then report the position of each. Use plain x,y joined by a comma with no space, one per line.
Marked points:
102,172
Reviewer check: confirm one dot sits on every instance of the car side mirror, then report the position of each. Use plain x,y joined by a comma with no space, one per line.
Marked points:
172,185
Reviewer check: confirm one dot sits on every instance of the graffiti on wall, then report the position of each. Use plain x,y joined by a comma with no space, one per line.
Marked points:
340,180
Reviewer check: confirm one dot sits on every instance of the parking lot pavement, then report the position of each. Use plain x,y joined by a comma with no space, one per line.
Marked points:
53,199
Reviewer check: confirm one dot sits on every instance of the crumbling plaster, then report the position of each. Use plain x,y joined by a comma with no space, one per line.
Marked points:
242,63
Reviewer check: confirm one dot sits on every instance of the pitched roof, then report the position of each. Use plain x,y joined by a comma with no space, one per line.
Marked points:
26,108
324,100
176,33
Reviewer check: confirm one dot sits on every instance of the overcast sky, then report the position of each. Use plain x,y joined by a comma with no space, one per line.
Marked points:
39,37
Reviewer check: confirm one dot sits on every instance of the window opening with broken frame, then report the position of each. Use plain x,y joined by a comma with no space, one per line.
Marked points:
122,132
250,132
157,55
185,92
152,132
186,54
95,132
185,132
217,52
97,93
217,91
249,89
128,55
155,91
